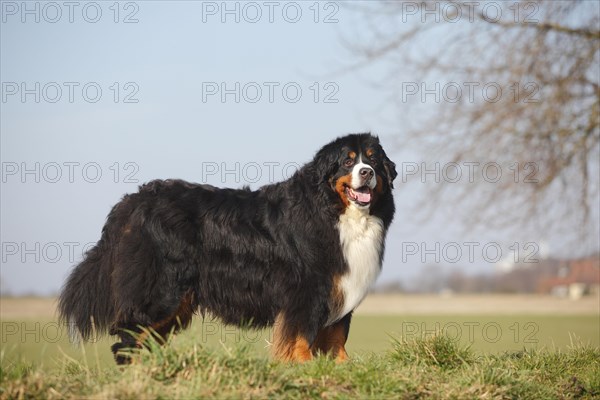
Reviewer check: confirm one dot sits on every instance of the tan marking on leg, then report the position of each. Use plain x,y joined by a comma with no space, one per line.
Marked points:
342,356
180,319
302,350
331,340
320,344
336,298
288,345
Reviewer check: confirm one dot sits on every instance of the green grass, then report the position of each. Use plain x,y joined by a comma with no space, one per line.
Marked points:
484,334
431,367
392,357
43,343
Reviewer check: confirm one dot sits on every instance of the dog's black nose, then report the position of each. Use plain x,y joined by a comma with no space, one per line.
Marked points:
366,173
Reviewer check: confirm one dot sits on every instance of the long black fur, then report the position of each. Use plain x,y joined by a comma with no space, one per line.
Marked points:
244,255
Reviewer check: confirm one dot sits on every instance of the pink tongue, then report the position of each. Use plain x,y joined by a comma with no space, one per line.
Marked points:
363,197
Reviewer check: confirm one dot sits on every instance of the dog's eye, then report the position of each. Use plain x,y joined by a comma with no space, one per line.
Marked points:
373,160
348,162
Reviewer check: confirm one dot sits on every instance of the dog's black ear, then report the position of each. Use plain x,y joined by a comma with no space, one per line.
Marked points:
390,170
327,162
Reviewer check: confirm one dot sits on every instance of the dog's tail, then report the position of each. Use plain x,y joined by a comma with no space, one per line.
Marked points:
85,302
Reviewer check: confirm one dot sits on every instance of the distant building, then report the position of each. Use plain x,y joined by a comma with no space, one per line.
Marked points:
576,278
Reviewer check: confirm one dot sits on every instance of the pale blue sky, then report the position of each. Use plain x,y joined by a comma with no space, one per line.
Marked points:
167,57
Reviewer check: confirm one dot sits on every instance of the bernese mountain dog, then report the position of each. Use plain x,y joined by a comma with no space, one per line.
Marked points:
298,255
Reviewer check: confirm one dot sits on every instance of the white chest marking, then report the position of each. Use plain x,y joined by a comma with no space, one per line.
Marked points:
361,237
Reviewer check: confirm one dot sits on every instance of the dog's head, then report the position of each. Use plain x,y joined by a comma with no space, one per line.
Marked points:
357,169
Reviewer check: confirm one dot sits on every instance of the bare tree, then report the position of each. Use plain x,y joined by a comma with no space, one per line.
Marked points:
517,83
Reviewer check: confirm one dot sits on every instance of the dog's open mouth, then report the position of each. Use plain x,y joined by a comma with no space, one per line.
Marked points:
361,196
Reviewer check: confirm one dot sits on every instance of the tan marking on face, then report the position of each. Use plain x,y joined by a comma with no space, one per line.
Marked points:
340,188
378,190
352,155
379,185
370,152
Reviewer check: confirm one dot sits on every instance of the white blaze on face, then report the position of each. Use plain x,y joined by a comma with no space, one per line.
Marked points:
361,186
357,181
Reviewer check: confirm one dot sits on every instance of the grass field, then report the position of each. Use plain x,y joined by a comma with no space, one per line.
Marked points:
429,351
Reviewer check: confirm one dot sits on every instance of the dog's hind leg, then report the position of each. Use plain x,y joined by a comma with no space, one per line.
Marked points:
332,339
128,335
136,336
289,344
176,321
